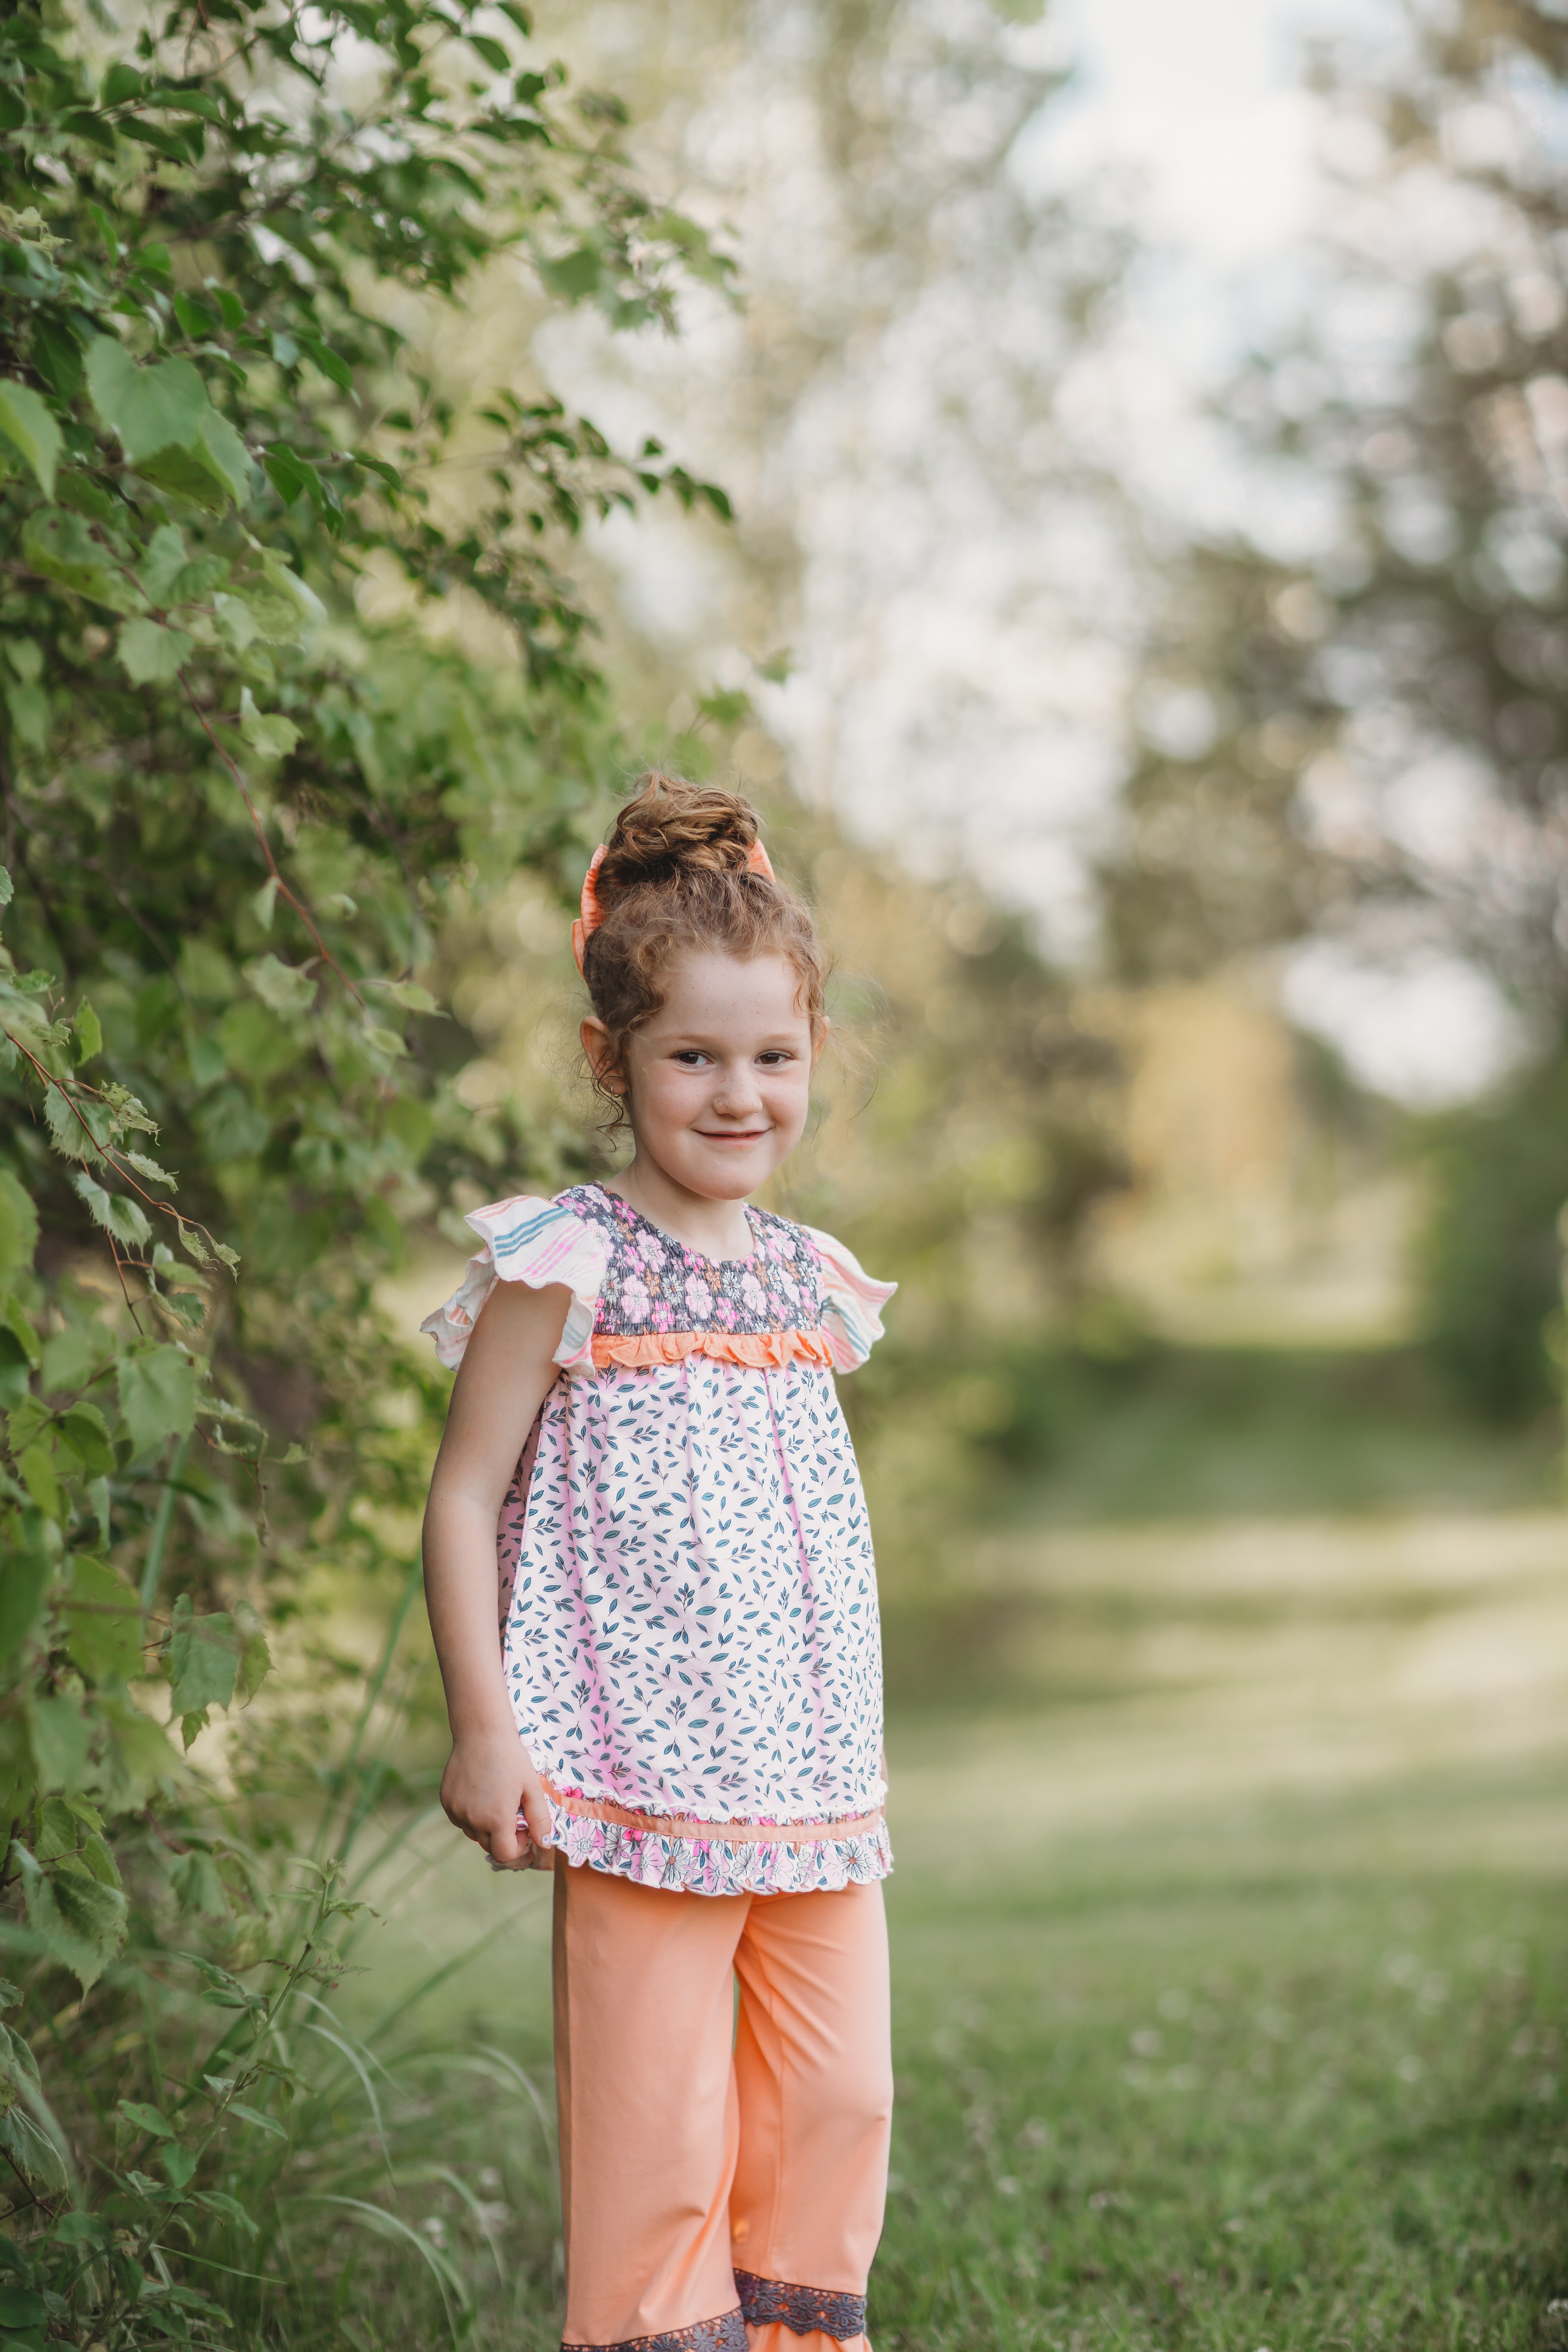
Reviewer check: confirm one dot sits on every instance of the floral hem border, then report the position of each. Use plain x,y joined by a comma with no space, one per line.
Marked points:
805,2310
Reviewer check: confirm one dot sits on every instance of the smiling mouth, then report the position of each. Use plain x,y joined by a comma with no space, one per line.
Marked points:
732,1134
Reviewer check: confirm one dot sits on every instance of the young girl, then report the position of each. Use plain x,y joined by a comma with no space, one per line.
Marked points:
683,1714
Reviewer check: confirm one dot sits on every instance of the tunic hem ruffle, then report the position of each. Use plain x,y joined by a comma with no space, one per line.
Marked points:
715,1865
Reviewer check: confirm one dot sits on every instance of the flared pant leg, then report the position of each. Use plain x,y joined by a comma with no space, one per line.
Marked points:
649,2126
707,2170
815,2077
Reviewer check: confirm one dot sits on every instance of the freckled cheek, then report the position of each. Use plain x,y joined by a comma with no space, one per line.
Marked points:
675,1098
787,1101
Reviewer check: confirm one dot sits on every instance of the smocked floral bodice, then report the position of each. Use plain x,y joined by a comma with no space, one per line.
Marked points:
653,1283
688,1603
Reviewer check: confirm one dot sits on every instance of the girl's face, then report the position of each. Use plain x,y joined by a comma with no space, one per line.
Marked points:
719,1081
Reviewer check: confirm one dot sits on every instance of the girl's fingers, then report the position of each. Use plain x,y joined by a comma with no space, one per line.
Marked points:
508,1845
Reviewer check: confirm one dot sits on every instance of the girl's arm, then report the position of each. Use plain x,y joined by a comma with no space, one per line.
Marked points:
507,1369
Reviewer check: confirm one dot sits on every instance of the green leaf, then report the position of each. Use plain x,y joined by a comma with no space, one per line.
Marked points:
283,988
214,472
103,1621
253,2116
280,605
225,1991
149,408
29,708
87,1033
148,2120
33,2153
67,1116
59,546
573,276
7,888
148,1168
24,1584
162,564
195,1881
84,496
272,736
13,1368
158,1389
22,1331
29,427
235,621
406,994
203,1660
64,1824
61,1735
19,2308
80,1922
333,365
86,1432
255,1657
113,1211
27,1422
18,1230
187,101
37,1469
138,1760
151,655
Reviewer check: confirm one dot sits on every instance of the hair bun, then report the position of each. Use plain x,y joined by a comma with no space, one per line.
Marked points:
672,828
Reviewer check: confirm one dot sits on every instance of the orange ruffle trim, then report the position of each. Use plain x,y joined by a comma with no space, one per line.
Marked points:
757,1348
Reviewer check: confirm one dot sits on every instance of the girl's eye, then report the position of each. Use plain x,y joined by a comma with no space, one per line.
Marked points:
690,1058
771,1060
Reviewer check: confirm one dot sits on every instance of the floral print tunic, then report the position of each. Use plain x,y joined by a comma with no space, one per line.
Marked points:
689,1600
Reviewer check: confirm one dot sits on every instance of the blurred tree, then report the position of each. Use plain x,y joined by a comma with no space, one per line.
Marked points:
1372,741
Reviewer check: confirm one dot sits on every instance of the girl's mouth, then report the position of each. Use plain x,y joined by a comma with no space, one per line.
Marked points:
733,1134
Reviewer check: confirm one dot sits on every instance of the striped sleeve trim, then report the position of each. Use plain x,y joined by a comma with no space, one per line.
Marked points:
531,1241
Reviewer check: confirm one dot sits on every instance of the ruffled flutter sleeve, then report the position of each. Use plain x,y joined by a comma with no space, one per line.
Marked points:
532,1241
852,1303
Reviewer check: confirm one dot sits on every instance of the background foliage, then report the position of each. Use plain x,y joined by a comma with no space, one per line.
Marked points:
235,814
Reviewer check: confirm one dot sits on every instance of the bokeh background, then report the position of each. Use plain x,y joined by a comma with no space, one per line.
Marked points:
1144,629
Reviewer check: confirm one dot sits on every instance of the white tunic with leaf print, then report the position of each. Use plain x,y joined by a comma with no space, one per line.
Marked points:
688,1597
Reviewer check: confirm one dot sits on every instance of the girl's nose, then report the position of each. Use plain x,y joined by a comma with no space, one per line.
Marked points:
737,1090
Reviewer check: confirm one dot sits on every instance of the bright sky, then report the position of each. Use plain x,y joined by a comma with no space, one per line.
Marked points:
1203,99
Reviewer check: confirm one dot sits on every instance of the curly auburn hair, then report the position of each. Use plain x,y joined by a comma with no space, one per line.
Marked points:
675,879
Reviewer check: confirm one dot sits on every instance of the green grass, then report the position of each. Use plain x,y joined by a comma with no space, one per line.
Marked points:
1286,2110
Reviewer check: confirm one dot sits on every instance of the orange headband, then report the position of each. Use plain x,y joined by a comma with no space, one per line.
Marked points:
592,916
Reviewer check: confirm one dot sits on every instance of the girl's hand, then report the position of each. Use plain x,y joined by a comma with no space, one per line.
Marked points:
487,1782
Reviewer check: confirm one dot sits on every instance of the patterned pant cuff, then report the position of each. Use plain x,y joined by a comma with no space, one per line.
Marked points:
808,2310
725,2334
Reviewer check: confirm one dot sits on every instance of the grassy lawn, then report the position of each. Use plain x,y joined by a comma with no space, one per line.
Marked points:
1283,2107
1230,1986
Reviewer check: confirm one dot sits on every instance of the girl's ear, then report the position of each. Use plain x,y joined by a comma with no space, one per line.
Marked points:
819,1029
602,1058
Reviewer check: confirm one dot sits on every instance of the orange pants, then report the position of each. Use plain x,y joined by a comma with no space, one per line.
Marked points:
723,2184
